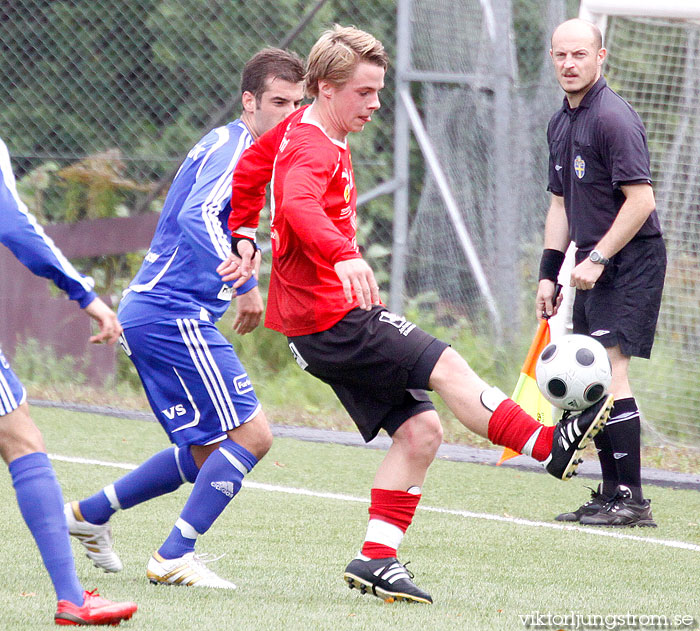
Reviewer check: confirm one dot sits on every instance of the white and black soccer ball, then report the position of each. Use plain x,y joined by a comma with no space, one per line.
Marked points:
573,372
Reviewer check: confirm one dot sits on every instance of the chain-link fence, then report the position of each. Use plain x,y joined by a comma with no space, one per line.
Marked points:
654,63
487,120
487,93
102,100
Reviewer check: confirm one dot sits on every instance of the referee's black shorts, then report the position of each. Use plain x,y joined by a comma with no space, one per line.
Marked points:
377,363
623,307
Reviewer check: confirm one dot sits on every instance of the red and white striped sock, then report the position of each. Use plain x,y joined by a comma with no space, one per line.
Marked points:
390,514
510,426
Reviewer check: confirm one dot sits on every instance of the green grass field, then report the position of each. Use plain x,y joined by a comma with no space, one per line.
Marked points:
483,544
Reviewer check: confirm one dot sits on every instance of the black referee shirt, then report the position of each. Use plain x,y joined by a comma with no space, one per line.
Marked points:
593,150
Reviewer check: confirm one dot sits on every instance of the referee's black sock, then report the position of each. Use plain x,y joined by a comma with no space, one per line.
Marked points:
608,465
624,432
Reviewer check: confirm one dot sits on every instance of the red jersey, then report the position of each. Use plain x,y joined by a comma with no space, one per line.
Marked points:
313,220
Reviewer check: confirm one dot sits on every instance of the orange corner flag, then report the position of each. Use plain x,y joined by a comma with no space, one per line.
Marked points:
526,394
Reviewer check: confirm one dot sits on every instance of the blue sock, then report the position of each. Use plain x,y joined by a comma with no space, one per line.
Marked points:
160,474
41,504
218,481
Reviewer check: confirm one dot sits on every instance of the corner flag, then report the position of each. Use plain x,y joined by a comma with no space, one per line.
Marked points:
526,394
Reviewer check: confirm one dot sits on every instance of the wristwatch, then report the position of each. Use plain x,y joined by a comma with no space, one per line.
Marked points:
597,257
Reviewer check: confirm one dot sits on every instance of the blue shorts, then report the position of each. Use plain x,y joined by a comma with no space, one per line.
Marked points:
193,379
12,392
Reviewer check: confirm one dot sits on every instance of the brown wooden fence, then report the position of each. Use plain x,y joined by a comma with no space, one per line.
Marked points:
28,310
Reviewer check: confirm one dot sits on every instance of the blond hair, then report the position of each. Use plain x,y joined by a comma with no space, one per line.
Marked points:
337,53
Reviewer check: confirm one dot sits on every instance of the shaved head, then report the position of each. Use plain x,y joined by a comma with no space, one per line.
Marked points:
578,56
579,29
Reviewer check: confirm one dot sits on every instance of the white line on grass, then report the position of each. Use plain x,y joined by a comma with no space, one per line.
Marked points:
669,543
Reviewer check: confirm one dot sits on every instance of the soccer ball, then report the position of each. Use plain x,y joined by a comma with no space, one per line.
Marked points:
573,372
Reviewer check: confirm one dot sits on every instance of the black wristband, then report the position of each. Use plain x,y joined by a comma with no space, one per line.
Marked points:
550,264
236,240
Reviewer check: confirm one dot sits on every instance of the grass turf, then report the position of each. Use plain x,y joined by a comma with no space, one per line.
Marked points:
287,551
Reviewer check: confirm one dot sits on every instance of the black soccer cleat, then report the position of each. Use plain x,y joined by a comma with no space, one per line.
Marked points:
622,512
571,435
386,579
597,502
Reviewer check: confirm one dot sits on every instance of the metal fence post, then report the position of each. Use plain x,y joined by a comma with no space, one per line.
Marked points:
401,159
507,287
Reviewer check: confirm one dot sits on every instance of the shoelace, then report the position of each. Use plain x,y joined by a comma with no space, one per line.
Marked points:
594,496
614,504
93,595
393,566
388,569
410,574
200,563
206,557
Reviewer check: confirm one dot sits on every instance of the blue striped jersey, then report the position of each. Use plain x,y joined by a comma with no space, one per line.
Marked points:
21,233
178,277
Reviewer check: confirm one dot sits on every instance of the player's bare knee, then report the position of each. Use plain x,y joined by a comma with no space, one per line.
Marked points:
19,435
421,436
264,434
255,435
264,443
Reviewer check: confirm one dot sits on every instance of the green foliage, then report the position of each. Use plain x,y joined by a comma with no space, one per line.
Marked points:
81,79
35,364
670,387
531,39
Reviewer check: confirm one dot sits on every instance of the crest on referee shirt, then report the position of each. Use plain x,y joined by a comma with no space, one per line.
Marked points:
579,167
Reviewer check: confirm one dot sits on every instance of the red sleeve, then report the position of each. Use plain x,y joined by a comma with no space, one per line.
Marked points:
305,173
250,177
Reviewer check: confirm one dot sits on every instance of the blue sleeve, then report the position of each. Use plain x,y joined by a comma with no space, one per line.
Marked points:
204,214
21,233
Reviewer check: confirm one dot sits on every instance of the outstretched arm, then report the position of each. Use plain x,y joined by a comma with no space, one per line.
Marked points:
250,178
21,233
106,319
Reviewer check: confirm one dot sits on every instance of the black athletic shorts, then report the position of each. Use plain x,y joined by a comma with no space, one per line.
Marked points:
377,363
623,307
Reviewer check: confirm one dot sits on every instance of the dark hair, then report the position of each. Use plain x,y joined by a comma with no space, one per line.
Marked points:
270,62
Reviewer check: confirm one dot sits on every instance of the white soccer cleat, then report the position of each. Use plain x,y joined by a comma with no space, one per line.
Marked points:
96,539
190,570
